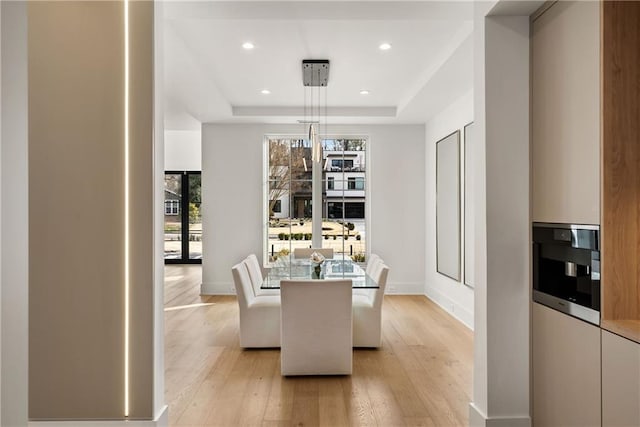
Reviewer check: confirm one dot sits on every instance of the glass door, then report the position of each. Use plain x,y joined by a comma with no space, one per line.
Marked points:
182,218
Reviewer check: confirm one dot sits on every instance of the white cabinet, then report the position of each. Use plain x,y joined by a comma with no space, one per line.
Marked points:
620,381
566,370
566,114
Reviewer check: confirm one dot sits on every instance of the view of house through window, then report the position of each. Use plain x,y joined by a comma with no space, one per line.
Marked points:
289,195
182,217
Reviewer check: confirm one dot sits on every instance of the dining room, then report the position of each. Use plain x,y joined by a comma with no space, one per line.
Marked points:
418,352
332,170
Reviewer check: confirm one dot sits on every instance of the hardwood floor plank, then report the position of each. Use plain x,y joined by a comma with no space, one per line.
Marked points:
186,279
280,404
385,406
421,376
399,382
306,407
183,382
197,412
331,403
271,423
212,384
419,422
358,405
256,397
226,408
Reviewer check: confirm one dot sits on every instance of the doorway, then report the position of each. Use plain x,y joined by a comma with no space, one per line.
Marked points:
182,217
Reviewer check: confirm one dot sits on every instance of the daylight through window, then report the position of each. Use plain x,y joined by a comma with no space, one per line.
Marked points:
289,193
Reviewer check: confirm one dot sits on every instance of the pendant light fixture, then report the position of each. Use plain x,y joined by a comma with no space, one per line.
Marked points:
315,76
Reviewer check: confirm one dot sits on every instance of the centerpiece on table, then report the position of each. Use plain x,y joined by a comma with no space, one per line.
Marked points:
316,262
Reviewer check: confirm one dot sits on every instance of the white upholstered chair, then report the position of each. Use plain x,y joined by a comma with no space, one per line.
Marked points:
372,265
259,314
306,252
316,327
372,262
255,273
367,310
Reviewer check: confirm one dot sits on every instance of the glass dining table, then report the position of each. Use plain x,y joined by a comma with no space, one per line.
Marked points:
288,268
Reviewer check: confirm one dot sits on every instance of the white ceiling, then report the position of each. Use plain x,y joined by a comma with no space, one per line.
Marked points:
210,78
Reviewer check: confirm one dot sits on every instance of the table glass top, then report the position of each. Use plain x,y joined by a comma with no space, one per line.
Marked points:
286,268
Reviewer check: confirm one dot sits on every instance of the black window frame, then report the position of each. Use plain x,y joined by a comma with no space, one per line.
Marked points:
184,217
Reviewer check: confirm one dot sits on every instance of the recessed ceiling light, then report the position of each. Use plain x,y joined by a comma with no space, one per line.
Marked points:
248,45
385,46
364,92
265,91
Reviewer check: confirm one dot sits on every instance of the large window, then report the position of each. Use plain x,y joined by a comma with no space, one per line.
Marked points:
288,196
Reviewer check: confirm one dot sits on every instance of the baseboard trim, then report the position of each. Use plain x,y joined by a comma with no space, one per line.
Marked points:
452,307
405,288
477,418
162,420
217,288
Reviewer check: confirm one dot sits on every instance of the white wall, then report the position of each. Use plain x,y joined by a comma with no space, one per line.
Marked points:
478,404
182,150
159,407
15,214
452,295
502,229
232,185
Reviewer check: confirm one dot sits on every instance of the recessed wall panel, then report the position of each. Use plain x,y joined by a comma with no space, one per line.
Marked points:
77,210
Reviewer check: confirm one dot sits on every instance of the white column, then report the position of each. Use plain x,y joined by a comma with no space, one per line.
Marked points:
159,407
502,230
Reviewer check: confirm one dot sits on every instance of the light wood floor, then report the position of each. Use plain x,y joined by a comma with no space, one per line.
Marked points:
421,376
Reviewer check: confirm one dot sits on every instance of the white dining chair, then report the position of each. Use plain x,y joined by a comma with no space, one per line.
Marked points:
256,276
372,262
259,314
316,327
367,310
306,252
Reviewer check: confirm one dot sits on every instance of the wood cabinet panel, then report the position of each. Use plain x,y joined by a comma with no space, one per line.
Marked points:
620,381
566,114
566,370
620,160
